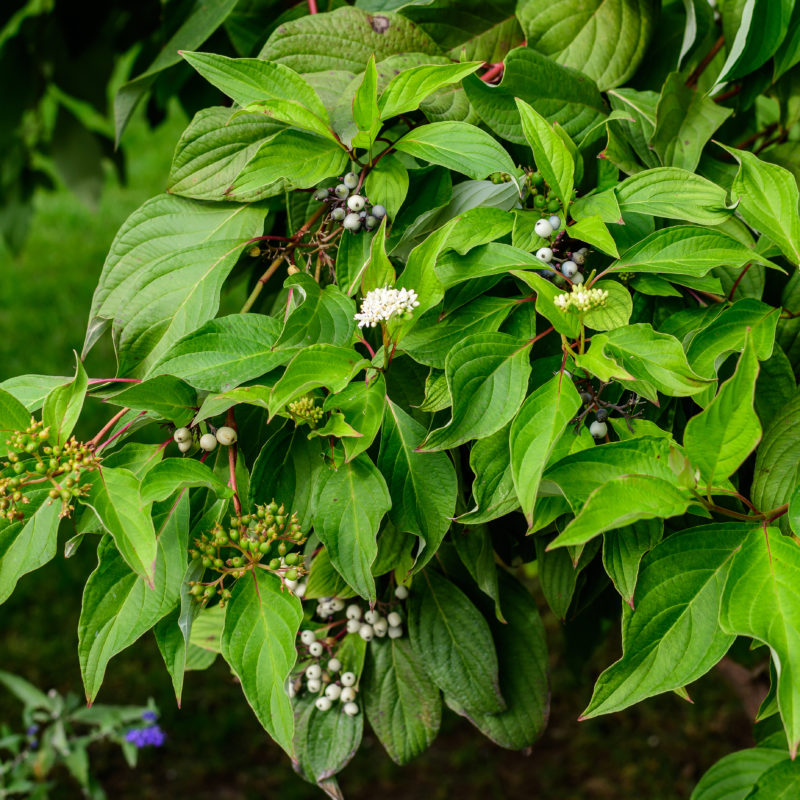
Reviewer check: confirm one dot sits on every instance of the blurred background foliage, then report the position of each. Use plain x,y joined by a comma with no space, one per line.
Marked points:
65,72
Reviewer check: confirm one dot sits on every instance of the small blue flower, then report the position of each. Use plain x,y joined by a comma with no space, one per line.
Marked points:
32,730
149,716
151,736
33,744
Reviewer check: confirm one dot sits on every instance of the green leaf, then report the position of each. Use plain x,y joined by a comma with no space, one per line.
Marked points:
224,352
30,390
167,396
685,120
118,606
560,94
403,707
553,158
387,184
616,312
253,80
409,88
27,545
324,580
453,641
763,25
522,654
114,495
675,194
172,474
362,405
780,782
458,146
258,642
350,503
672,637
163,275
686,250
214,149
474,548
623,549
760,600
13,417
546,292
734,776
594,232
487,377
423,486
623,501
535,430
605,39
768,201
366,114
302,159
63,405
722,436
788,52
318,365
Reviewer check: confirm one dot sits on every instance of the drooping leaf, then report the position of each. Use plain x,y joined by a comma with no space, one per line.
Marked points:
623,549
63,405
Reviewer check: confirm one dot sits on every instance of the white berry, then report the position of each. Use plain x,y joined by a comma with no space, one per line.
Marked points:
313,672
394,619
299,588
578,257
350,180
370,222
337,604
578,278
290,689
353,612
380,627
370,616
598,429
332,691
378,211
208,442
352,222
313,685
226,436
543,229
347,695
182,435
544,254
555,222
366,632
353,625
351,709
322,703
395,633
334,665
338,214
341,191
569,268
315,648
401,592
356,202
184,447
308,636
348,678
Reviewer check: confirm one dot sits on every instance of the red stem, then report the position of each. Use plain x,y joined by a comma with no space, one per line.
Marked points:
312,7
110,424
494,71
114,380
700,69
121,430
738,281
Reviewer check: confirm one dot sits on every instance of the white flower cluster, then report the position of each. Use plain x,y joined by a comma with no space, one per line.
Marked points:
581,299
381,305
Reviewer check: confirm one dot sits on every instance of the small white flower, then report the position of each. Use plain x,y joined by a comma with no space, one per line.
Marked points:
581,299
381,305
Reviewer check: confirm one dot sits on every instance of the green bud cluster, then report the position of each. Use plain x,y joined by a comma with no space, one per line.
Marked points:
500,177
305,410
32,460
544,198
267,539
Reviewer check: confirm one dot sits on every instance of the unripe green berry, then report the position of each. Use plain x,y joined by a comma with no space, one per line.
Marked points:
321,194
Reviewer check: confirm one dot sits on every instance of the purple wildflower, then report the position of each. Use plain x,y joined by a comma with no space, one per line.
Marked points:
149,716
32,730
151,736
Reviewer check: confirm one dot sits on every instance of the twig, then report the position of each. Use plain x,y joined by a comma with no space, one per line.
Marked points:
110,424
738,280
701,67
312,7
120,431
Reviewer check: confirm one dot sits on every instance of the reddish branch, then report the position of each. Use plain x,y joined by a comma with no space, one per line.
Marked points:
312,6
701,67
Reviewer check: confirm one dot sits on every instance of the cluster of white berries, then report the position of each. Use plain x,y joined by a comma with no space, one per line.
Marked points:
352,210
569,267
581,299
381,305
208,441
328,606
371,623
342,689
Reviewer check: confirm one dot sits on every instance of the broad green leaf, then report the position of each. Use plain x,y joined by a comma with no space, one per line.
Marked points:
699,20
165,395
207,629
685,121
409,88
30,390
163,275
350,504
546,292
769,201
118,606
402,705
675,194
734,776
423,486
623,549
474,548
535,430
623,501
258,642
605,39
760,600
379,270
788,52
454,643
387,184
457,146
317,365
13,417
616,311
558,573
594,232
63,405
214,149
487,377
114,495
352,260
672,635
302,159
560,94
28,544
324,580
343,39
362,404
553,158
763,25
633,126
365,107
522,654
252,80
780,782
722,436
224,352
686,250
172,474
481,261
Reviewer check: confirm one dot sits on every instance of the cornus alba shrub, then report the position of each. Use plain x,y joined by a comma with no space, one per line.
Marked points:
511,314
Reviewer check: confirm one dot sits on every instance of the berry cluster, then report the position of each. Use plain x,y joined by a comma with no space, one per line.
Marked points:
184,438
593,402
544,198
32,460
304,410
343,689
352,210
569,261
264,540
